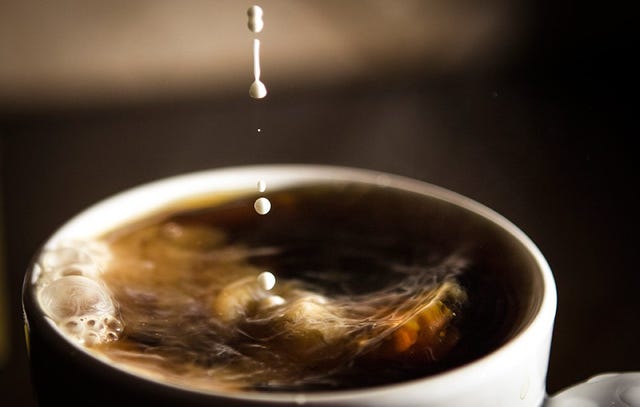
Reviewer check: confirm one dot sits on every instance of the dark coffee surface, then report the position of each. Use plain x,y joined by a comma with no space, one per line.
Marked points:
353,263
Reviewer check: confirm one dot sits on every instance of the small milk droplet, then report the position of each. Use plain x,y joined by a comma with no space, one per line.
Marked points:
262,206
266,280
262,186
257,90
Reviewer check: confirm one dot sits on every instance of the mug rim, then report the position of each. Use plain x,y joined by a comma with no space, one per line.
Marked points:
528,336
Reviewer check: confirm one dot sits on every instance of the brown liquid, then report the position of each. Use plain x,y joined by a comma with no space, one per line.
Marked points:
381,260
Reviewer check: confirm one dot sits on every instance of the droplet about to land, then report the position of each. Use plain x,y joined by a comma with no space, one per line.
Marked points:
266,280
262,206
262,186
255,22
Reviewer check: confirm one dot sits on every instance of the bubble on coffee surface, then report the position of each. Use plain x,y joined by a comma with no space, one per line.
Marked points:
82,309
71,293
68,258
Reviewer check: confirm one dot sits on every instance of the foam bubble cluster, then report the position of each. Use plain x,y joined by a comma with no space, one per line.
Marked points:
73,258
72,294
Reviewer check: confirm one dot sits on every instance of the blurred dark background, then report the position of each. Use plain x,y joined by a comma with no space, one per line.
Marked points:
524,106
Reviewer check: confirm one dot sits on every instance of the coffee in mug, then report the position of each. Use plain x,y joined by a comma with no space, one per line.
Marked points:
352,286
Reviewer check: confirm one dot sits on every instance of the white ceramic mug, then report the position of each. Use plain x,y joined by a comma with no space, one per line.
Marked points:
512,375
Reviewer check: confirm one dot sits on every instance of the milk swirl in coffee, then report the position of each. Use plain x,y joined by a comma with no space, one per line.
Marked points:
342,285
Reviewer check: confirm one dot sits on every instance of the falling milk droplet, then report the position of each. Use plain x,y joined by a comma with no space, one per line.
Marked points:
257,89
255,22
262,206
262,186
266,280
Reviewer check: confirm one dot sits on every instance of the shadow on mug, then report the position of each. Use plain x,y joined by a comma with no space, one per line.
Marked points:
503,322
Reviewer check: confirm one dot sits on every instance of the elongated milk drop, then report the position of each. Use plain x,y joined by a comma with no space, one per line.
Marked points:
255,22
262,186
257,89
